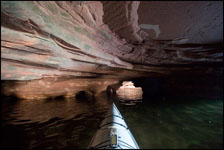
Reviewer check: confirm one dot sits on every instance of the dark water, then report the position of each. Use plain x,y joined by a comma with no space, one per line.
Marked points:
176,123
71,123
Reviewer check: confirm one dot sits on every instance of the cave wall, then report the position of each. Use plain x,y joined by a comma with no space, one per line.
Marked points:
40,39
52,87
198,22
111,40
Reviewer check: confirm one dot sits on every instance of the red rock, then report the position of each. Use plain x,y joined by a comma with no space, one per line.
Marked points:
118,40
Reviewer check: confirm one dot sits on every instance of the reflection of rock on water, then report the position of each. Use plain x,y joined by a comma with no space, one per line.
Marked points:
129,92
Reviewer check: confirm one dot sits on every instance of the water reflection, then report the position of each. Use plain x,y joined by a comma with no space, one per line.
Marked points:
52,123
71,123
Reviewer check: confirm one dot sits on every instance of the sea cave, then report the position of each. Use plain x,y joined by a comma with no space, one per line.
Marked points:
125,74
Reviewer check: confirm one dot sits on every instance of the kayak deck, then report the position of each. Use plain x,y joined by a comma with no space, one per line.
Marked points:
113,133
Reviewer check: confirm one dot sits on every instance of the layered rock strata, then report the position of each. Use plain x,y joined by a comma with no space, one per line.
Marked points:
109,40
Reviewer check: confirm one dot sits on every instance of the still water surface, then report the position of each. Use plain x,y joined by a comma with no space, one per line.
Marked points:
71,123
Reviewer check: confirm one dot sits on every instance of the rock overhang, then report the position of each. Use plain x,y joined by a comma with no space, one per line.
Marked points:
119,40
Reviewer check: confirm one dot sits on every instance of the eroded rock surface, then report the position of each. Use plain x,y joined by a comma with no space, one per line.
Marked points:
55,87
120,40
129,92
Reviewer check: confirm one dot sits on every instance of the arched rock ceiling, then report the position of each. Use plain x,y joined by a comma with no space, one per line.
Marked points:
102,39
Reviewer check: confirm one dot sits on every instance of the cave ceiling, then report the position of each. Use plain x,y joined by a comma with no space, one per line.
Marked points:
110,39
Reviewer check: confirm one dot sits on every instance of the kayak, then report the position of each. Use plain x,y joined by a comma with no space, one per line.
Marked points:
113,133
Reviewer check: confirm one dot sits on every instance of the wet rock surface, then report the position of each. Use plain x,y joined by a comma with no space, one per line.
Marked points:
56,87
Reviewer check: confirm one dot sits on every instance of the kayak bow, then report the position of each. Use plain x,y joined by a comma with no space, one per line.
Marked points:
113,133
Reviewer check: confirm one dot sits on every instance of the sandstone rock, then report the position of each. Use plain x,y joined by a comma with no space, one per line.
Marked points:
113,40
63,86
48,38
129,92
